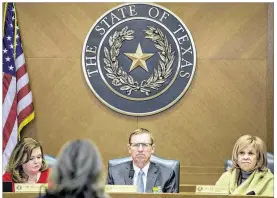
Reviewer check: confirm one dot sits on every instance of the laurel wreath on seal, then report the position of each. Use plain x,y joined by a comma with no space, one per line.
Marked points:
121,78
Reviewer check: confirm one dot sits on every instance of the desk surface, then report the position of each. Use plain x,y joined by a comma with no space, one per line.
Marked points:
136,195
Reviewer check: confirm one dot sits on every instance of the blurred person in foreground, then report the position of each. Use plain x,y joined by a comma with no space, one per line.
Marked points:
77,172
26,163
249,174
146,174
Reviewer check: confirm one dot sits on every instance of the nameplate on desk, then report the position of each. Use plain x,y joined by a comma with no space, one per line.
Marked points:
121,188
206,189
30,188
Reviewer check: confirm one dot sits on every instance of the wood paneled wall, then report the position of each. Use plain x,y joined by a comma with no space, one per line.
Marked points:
227,97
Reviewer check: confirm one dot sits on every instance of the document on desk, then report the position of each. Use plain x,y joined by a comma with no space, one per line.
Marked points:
214,190
121,188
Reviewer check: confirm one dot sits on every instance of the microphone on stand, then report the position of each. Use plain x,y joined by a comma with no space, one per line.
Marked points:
131,174
132,171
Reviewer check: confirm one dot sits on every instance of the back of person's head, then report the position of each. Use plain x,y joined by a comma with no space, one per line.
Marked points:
20,155
78,171
255,142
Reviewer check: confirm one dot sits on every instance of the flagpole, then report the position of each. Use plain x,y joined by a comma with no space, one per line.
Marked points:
5,10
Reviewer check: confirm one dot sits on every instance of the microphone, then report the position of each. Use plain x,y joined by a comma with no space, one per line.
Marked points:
251,193
131,174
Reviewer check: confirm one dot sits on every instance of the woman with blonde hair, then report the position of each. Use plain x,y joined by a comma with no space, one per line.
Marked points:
249,174
26,163
77,172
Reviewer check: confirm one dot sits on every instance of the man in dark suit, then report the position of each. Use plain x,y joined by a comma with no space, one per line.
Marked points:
140,171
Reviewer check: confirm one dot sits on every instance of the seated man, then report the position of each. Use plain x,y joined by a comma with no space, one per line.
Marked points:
140,171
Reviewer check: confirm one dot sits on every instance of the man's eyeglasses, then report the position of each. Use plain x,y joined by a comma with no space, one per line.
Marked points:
144,145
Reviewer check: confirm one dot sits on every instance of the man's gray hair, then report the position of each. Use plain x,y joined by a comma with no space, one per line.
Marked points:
78,170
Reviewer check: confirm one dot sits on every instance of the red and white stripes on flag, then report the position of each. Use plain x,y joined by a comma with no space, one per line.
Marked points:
17,109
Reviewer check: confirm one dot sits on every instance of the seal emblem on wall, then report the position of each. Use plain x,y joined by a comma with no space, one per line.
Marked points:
139,59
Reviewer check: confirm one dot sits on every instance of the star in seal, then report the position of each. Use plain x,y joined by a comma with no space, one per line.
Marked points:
138,59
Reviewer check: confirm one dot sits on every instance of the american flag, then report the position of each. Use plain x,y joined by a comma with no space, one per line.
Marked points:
18,108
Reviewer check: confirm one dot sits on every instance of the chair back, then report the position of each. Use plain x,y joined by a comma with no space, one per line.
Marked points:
172,164
50,160
270,163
